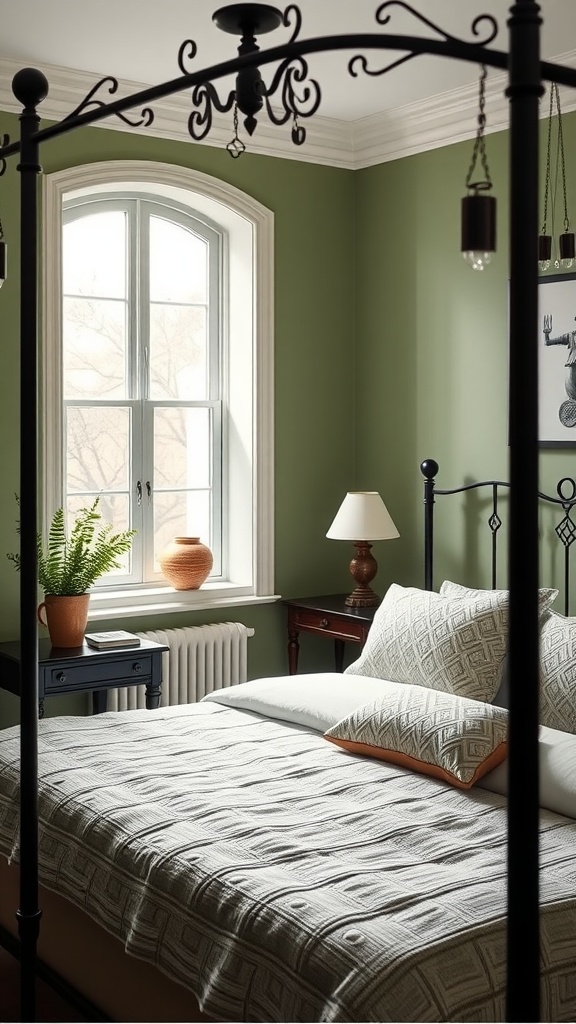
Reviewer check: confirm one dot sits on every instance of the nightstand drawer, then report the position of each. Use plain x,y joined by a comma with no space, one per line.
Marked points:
137,666
333,625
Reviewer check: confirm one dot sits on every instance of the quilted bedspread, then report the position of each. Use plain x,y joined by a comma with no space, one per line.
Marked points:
283,879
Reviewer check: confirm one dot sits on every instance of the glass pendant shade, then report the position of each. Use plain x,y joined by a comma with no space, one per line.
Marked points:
3,262
567,249
544,251
478,226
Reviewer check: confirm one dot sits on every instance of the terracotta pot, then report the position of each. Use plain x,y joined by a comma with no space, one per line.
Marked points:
66,618
186,563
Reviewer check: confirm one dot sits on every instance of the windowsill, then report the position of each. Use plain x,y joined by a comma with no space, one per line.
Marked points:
124,604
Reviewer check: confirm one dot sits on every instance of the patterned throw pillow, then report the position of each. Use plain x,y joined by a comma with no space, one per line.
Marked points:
440,734
546,596
558,673
454,644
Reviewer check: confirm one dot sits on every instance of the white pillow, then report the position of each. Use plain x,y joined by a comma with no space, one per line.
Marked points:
315,700
558,673
455,644
557,759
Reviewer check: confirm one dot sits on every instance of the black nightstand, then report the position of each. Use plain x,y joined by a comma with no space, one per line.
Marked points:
80,669
326,616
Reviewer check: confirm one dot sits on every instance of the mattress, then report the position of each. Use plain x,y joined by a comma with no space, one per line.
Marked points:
280,878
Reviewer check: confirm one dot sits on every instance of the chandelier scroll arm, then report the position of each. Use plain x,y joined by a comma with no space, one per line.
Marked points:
204,98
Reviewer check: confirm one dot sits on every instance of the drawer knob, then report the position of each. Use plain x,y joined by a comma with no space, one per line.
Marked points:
137,667
61,677
324,623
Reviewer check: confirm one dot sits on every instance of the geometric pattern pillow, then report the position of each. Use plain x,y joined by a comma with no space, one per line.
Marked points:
546,595
558,673
439,734
454,644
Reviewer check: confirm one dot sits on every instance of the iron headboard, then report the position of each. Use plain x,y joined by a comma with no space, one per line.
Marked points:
565,529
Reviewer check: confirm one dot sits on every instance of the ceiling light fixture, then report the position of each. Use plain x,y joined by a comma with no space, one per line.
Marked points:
478,215
298,95
566,242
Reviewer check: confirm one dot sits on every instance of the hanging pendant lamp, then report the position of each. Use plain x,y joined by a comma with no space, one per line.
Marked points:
478,213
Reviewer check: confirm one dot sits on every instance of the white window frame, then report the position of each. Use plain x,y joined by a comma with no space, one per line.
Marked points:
248,370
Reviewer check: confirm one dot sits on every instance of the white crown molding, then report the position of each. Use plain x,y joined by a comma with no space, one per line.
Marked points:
399,132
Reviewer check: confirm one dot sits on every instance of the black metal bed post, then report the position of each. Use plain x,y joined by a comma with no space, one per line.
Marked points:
429,469
30,88
523,940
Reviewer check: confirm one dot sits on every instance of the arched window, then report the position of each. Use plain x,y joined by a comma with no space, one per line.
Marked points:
158,374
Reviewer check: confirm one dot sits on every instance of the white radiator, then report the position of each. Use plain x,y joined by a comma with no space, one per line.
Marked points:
199,659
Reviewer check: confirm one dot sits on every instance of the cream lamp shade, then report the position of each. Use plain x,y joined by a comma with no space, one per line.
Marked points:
361,518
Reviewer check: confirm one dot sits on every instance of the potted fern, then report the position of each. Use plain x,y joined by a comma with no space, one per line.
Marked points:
69,564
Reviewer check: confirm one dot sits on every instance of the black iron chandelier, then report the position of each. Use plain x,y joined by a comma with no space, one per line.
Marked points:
251,93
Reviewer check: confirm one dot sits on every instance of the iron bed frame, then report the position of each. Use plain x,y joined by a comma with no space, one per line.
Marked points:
497,490
526,73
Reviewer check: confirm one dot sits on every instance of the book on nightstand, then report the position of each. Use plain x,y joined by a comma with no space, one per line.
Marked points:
113,638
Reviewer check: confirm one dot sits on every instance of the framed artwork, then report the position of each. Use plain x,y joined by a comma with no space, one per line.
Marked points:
557,361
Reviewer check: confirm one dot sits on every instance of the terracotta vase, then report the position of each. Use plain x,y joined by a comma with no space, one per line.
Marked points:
186,563
66,618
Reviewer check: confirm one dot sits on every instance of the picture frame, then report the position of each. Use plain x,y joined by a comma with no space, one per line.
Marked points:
557,361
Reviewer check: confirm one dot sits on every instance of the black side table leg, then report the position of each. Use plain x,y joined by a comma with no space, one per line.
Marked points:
40,709
339,655
99,701
153,694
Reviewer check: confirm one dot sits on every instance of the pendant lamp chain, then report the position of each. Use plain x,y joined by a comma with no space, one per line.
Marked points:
480,141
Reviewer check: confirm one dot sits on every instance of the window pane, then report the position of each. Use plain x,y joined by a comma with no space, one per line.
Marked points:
97,449
182,441
94,258
178,263
178,352
94,342
180,514
114,508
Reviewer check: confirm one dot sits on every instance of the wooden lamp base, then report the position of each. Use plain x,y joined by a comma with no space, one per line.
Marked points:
363,569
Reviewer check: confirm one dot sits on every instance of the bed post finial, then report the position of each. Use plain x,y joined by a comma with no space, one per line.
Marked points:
30,87
429,469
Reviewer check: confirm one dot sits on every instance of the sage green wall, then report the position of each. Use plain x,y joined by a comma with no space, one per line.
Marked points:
432,356
314,366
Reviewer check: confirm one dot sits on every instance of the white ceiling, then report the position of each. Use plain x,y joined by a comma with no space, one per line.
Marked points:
138,41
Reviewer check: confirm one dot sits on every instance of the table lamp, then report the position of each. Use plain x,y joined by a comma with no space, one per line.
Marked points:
363,514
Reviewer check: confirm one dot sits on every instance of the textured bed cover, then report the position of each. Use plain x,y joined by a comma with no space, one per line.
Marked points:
281,878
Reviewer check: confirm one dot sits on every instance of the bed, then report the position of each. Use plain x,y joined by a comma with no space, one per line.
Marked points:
277,876
314,847
526,74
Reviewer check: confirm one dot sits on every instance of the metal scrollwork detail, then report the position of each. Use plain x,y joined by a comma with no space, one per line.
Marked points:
359,63
146,115
4,141
293,10
204,98
300,97
187,52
